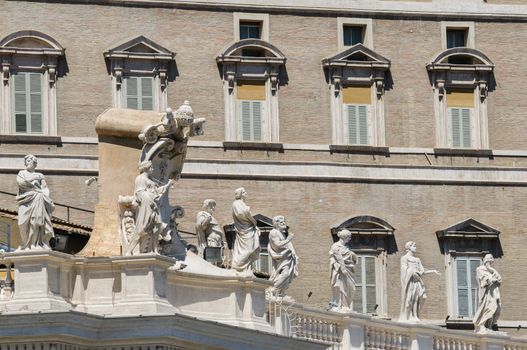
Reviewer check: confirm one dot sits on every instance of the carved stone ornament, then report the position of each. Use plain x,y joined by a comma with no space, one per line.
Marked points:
160,165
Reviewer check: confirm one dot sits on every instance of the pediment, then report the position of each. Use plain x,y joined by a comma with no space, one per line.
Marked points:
251,50
139,47
31,42
365,224
468,228
357,54
460,57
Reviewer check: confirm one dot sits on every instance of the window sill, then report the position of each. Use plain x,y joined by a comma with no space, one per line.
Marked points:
253,146
380,150
468,152
31,139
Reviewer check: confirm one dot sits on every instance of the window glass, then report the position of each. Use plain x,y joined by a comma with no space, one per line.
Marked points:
250,30
455,38
353,35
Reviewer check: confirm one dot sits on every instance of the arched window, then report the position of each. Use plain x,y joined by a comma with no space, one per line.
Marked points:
358,80
140,70
31,63
252,71
371,239
461,78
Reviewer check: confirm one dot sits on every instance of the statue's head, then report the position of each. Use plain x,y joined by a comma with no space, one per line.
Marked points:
240,193
488,258
209,205
145,166
30,161
344,235
410,246
185,114
279,223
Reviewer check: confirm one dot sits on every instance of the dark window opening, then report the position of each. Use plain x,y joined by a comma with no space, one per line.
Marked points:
353,35
456,38
250,30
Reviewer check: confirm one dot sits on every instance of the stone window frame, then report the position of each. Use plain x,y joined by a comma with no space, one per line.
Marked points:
374,73
367,23
446,76
234,67
45,58
262,18
468,238
156,62
378,242
468,26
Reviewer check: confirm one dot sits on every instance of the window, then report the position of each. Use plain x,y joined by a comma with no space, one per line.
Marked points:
250,30
141,70
27,91
461,78
251,26
30,65
466,285
353,35
139,93
456,38
352,31
372,239
365,299
251,72
460,110
457,34
357,86
356,104
463,245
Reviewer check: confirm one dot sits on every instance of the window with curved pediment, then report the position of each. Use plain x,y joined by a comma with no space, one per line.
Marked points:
372,239
464,245
31,63
358,80
461,78
141,70
252,71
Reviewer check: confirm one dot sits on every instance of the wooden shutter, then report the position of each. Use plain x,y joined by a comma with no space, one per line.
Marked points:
28,102
357,124
474,264
370,277
147,93
251,118
462,287
132,98
465,127
21,109
358,297
461,127
35,102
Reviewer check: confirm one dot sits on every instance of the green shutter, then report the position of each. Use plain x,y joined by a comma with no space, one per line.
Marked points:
371,293
474,264
363,124
357,124
131,93
147,98
462,287
465,121
456,129
352,124
246,120
28,102
251,118
357,298
20,102
257,120
35,102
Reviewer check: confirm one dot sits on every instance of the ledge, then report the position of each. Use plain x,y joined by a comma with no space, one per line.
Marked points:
460,152
360,149
31,139
253,146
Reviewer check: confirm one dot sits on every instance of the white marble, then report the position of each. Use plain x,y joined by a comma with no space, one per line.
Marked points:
35,207
247,243
489,299
413,291
342,262
285,260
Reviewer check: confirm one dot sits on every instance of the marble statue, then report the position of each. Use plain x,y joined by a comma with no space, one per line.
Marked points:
285,260
342,263
207,227
413,291
489,301
34,207
247,243
161,162
149,225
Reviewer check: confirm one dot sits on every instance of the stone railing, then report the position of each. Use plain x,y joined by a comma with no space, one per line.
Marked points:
362,332
7,284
